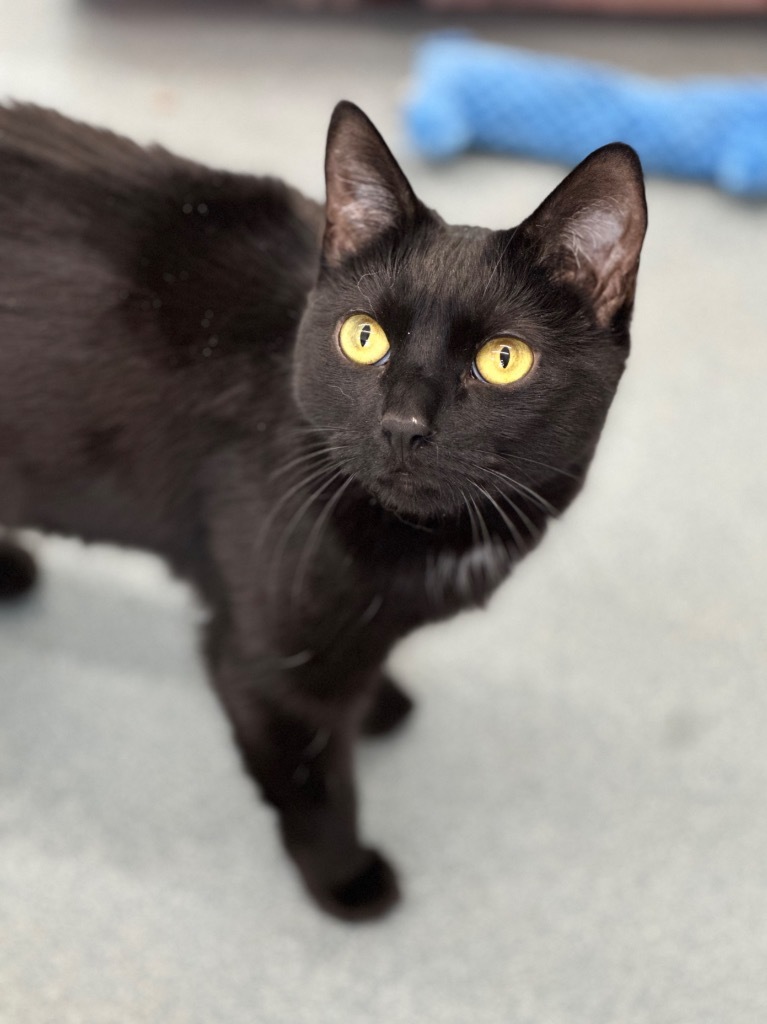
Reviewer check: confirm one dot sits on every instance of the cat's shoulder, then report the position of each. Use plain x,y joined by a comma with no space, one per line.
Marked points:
41,136
59,148
58,171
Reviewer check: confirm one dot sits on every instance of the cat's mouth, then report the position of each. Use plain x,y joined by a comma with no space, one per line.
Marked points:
408,493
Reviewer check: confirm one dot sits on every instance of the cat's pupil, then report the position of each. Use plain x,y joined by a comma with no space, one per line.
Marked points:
505,356
364,335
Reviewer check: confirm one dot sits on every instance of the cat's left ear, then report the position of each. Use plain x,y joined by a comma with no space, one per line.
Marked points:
367,193
589,232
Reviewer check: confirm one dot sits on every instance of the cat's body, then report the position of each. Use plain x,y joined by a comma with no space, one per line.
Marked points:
171,378
121,293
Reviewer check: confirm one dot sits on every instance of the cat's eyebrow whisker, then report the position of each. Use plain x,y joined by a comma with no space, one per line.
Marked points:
366,297
498,262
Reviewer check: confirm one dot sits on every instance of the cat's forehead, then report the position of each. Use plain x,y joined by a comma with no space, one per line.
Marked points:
438,264
445,275
448,256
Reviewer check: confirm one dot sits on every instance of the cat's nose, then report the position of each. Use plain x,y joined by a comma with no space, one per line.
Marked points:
404,433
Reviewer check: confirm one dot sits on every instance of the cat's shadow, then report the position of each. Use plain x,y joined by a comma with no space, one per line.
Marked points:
111,739
111,742
105,606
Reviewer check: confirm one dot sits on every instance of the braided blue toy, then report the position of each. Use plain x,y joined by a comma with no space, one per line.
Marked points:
475,95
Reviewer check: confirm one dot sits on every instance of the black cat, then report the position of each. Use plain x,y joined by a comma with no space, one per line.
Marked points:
336,426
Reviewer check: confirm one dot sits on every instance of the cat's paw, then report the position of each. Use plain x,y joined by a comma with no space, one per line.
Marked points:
389,709
369,893
18,572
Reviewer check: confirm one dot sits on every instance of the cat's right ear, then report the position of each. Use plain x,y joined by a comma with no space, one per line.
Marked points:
367,193
589,232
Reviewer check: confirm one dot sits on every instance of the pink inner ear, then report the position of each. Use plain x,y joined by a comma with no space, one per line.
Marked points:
600,246
590,229
367,193
357,211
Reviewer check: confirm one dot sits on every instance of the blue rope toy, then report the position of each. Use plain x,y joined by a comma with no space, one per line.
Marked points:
470,95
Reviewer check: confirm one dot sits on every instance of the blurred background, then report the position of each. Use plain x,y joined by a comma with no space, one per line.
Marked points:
578,808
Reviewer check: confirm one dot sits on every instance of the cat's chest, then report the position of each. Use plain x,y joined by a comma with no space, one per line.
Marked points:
308,582
442,580
380,593
350,619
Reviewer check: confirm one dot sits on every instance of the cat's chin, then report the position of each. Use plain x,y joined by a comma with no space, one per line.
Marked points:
410,498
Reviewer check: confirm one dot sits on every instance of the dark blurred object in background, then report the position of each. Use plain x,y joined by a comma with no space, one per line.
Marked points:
656,8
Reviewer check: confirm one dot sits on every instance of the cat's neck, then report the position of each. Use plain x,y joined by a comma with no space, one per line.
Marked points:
458,560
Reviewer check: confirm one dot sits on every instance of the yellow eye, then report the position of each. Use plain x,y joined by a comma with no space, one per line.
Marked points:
503,360
363,340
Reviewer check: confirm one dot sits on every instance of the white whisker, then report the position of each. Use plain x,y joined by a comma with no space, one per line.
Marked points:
286,496
314,537
279,549
317,453
523,489
513,529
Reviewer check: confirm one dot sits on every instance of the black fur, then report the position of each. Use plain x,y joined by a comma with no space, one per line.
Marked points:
18,572
170,378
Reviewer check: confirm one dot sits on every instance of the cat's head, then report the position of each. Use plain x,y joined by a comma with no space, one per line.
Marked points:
454,367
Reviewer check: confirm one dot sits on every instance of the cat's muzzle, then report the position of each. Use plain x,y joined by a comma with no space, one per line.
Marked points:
410,493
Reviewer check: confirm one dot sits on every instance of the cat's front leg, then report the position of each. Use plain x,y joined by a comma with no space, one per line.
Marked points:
388,708
18,572
309,780
299,751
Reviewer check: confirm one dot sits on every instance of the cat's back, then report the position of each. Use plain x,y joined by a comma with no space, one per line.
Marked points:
136,288
93,224
57,174
38,138
62,180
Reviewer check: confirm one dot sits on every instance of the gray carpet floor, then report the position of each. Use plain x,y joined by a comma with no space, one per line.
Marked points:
600,855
